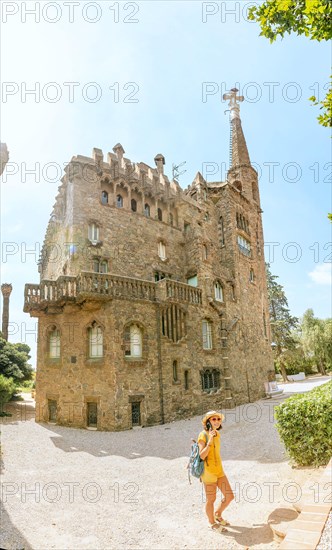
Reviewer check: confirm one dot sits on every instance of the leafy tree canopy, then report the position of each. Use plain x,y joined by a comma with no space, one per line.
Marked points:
312,18
14,361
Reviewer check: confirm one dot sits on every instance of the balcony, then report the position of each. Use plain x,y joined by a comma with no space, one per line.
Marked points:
104,286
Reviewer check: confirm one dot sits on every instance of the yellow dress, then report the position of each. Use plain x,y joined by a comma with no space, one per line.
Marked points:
212,464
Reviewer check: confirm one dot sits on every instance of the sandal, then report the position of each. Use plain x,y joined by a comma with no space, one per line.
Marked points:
217,527
221,521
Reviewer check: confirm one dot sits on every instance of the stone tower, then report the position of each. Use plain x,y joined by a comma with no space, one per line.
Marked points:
152,301
6,290
4,156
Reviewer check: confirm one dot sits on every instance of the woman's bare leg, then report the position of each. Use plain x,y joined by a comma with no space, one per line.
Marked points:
211,494
225,488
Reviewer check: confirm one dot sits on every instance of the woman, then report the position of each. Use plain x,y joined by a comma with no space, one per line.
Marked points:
213,476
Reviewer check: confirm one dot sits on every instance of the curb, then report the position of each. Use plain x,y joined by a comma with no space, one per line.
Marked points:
307,529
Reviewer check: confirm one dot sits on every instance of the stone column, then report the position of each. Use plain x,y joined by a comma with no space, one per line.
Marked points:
6,290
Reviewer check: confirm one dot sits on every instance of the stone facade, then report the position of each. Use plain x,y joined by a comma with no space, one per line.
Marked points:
152,302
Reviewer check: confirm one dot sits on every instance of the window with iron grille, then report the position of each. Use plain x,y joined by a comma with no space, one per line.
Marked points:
210,379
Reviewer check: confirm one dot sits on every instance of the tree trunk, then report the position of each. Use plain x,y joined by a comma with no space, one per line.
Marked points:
283,371
321,368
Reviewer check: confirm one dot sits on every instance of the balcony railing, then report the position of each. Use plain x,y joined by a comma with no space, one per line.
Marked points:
99,286
180,292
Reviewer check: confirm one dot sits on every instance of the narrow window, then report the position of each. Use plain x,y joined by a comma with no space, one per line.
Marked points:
136,414
218,292
104,266
119,201
186,227
160,214
186,379
207,334
233,292
133,205
264,324
171,219
251,276
175,371
221,231
54,344
205,252
52,410
92,415
162,251
95,335
93,233
104,197
147,210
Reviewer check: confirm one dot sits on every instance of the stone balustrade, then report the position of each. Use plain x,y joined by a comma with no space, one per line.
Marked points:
102,285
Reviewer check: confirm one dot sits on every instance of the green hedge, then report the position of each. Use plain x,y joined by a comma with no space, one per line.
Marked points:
304,423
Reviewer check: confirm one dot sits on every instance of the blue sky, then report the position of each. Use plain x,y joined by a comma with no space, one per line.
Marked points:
163,56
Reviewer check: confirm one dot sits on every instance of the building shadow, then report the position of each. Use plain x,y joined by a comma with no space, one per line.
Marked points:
10,536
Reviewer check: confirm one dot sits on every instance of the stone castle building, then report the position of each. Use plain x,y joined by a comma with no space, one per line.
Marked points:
152,301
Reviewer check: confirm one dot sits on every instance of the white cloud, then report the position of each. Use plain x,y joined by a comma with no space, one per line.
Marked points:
322,274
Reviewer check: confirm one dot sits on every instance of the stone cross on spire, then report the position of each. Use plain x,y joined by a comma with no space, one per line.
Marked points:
233,105
238,152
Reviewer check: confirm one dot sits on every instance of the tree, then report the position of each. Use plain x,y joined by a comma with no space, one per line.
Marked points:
282,322
7,389
309,17
14,361
316,338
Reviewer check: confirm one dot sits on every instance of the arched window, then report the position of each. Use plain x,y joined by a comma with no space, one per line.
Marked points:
175,371
160,214
54,343
207,334
238,185
133,205
95,341
218,292
147,210
133,341
104,197
119,201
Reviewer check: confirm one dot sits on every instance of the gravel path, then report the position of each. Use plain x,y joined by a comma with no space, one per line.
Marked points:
67,488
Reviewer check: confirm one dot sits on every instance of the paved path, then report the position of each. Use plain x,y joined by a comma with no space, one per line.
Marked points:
67,488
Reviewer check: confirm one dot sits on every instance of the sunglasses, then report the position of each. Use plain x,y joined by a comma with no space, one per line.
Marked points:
214,419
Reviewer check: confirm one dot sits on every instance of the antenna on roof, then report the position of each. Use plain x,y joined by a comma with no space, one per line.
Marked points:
175,170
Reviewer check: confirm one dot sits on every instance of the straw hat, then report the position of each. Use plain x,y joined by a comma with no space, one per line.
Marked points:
210,414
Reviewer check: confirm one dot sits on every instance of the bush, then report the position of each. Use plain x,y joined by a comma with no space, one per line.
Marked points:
7,390
304,423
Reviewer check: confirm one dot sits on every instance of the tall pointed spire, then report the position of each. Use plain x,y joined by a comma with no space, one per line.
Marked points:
239,150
